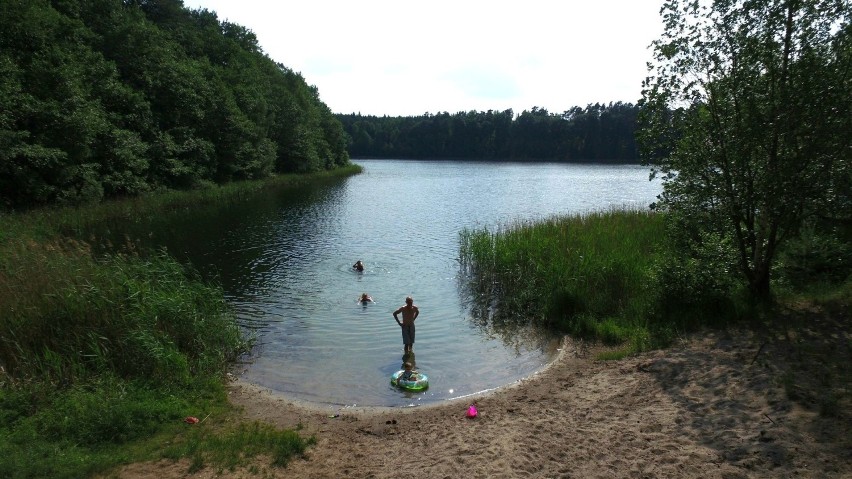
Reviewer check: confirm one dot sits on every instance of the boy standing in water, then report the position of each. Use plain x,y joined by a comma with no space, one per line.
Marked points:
409,314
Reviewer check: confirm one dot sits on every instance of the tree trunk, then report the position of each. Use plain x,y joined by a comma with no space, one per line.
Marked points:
759,283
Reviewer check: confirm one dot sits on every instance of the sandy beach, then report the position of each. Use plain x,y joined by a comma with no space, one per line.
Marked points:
712,406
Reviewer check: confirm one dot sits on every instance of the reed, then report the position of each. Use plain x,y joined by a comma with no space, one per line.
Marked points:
72,221
587,275
68,315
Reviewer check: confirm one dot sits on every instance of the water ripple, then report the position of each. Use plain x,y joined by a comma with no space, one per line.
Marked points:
284,260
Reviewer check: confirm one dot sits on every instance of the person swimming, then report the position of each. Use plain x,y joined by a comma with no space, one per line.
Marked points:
365,298
358,266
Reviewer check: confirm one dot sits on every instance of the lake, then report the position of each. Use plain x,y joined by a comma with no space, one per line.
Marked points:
285,261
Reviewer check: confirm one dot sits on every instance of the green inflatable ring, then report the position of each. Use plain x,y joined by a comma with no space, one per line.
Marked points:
419,384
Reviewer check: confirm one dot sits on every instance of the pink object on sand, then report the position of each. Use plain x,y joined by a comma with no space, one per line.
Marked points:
471,411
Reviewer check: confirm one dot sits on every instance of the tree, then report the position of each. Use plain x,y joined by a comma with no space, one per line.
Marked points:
108,98
746,117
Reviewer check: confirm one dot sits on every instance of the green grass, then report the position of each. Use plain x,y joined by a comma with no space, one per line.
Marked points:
231,448
68,316
92,428
584,275
103,356
609,276
617,278
71,221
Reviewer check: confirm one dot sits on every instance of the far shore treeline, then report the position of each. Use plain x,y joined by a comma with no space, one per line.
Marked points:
603,133
111,98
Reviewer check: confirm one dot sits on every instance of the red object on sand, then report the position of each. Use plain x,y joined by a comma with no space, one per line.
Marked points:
191,420
471,411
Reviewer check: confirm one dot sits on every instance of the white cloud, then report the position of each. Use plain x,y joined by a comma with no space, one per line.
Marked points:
485,82
408,58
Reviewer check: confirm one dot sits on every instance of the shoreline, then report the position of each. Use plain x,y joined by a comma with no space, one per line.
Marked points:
239,386
711,406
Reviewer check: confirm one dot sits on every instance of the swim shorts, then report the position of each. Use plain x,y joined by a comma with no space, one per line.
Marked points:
408,334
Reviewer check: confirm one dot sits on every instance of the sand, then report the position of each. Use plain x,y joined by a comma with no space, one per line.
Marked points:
713,406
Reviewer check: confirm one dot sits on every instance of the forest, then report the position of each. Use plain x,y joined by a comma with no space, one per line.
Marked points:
103,99
107,99
597,133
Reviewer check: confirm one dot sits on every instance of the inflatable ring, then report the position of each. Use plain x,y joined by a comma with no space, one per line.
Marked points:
419,384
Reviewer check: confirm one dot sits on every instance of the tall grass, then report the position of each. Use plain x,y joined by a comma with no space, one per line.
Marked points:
586,275
102,356
71,221
608,275
621,277
68,315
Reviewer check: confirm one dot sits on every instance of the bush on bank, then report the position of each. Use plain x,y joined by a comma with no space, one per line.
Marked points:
618,277
103,356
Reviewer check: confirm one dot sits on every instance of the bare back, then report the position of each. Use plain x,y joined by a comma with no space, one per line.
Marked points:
409,314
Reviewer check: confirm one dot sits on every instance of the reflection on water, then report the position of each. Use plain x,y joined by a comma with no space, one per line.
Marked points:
285,262
480,300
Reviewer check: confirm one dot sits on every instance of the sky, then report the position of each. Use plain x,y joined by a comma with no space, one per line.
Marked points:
407,58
